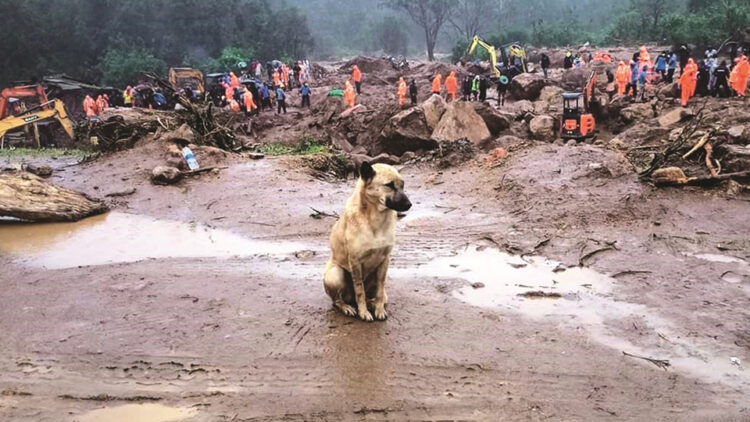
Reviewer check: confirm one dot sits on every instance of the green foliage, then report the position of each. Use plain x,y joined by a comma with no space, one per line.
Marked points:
306,146
123,66
231,56
44,152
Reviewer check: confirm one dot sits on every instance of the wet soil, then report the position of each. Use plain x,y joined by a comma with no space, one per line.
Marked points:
204,301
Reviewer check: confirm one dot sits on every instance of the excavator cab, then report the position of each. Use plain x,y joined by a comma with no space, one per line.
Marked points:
577,123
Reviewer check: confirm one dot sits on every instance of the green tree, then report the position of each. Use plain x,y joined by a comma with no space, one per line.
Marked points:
125,66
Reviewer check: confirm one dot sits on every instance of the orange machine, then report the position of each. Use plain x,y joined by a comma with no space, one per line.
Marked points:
21,92
577,121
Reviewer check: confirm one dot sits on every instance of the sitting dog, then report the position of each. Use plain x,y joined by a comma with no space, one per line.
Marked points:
361,242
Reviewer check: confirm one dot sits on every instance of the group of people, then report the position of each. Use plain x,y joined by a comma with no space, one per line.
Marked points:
94,108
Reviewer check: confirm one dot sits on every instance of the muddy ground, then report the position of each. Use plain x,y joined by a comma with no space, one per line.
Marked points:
204,300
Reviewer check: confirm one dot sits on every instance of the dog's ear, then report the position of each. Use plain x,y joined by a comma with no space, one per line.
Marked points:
366,172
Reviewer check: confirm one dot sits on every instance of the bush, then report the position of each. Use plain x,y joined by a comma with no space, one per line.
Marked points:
123,66
231,56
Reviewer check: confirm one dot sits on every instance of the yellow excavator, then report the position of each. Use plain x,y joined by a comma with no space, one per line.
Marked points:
53,109
478,42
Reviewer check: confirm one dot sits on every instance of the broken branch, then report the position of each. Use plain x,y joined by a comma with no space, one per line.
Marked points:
661,363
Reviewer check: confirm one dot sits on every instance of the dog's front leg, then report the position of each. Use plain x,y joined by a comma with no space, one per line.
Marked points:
380,298
359,291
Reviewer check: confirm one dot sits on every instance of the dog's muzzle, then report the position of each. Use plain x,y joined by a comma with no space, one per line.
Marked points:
399,202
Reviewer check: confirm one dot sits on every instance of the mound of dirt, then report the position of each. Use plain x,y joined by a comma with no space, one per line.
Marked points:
367,65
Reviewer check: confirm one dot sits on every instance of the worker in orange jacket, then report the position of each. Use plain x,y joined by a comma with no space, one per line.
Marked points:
743,72
622,77
357,78
228,92
693,68
401,92
234,105
284,76
89,106
101,105
687,83
247,98
234,81
437,82
349,94
451,85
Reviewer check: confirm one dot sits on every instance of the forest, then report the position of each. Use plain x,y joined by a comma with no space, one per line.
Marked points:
111,42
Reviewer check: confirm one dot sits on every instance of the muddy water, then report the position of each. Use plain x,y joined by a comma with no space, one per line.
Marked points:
580,299
137,413
120,237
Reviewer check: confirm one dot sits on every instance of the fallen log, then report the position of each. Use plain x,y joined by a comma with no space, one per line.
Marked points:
28,197
741,176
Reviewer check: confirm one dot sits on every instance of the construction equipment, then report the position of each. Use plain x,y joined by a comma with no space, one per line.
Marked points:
21,92
516,51
49,110
577,121
478,42
187,77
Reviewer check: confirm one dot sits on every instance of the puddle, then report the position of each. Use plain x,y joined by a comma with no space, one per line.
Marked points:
137,413
120,237
580,299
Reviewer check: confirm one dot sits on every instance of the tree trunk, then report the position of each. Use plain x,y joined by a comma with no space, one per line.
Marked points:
430,46
28,197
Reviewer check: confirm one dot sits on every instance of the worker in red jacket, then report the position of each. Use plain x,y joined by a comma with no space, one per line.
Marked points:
357,78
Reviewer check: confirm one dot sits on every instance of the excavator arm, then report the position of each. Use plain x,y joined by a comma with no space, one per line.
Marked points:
26,91
57,112
478,42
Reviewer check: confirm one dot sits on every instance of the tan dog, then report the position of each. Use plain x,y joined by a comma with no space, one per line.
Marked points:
361,242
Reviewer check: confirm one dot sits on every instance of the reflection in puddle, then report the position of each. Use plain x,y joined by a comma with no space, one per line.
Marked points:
137,413
119,237
499,281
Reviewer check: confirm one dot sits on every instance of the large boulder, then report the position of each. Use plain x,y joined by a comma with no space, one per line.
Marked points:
521,108
406,131
574,79
637,112
165,175
460,120
551,94
433,109
736,158
496,121
675,116
527,86
740,133
543,127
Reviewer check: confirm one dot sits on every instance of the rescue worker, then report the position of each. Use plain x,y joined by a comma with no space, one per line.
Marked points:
634,73
502,88
693,68
743,72
644,58
127,96
451,85
683,54
234,105
437,82
545,62
721,75
304,91
568,62
704,76
101,104
228,93
349,94
265,97
687,84
621,77
642,80
285,76
466,88
357,78
234,81
475,88
276,78
247,98
401,92
413,91
671,66
89,106
661,66
280,100
482,88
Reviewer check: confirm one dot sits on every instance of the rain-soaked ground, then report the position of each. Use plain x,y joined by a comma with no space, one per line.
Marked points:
554,300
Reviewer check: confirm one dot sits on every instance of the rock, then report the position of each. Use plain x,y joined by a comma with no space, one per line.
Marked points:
176,162
41,171
255,155
527,86
359,150
616,143
460,120
675,116
559,142
637,112
571,143
165,175
340,142
496,122
734,188
385,159
541,107
406,131
669,175
667,91
740,133
183,135
543,127
574,79
522,108
551,93
736,158
408,156
507,142
433,110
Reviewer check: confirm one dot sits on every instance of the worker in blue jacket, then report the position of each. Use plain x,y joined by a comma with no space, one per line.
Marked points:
304,90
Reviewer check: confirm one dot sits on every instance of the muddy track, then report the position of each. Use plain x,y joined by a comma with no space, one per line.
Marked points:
249,335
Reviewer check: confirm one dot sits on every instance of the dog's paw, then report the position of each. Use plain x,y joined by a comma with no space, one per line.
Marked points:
365,315
348,310
380,313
